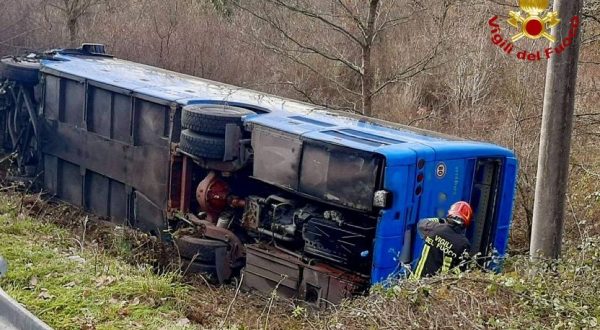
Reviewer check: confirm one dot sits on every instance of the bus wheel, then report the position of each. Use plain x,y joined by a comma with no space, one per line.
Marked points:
20,70
202,146
200,249
212,119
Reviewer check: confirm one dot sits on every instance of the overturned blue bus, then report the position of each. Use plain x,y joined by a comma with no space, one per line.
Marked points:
311,202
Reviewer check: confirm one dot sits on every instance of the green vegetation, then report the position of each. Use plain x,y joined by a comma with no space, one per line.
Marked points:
529,295
104,282
71,287
106,285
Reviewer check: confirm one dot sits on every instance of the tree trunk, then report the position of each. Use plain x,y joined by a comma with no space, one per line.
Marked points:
72,27
367,83
555,141
368,74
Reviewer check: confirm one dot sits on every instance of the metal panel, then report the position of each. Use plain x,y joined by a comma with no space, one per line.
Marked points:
97,193
74,100
101,150
99,111
121,120
147,216
69,182
150,123
51,174
175,123
144,167
269,269
276,156
483,201
118,201
505,209
52,98
324,285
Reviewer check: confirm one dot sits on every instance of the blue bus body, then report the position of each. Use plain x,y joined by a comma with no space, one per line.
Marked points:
423,172
402,150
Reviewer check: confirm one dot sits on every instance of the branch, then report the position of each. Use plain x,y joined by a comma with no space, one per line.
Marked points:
418,66
308,66
592,17
314,50
358,22
393,22
588,114
319,18
409,72
64,10
505,4
313,101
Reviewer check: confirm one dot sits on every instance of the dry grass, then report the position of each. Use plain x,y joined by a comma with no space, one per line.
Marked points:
474,91
72,283
115,287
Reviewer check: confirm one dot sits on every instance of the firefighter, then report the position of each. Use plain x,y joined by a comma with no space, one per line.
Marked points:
446,245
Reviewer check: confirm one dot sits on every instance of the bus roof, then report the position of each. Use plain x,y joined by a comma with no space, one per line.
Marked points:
308,120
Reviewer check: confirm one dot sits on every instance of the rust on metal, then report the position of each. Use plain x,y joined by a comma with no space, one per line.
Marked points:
212,194
251,217
269,267
174,201
209,230
237,203
186,185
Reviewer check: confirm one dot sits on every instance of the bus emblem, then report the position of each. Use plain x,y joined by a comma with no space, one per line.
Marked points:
440,170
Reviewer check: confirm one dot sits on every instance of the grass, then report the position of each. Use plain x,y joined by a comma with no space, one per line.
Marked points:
73,288
529,295
106,283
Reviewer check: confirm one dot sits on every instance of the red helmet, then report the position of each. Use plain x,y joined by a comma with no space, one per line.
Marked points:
463,211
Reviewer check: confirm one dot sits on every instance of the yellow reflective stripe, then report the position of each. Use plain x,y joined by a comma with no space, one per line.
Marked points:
419,270
447,264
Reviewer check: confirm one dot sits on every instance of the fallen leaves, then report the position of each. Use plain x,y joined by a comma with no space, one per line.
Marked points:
104,280
123,312
77,259
45,295
183,322
33,282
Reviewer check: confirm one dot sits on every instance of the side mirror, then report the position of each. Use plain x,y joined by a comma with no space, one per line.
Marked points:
382,199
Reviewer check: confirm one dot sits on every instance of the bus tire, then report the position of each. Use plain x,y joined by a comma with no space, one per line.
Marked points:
199,249
202,146
212,119
194,267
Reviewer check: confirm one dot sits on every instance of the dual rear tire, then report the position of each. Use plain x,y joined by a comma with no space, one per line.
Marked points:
205,126
203,136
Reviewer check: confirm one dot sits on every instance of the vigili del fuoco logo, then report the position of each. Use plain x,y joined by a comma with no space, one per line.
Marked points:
533,21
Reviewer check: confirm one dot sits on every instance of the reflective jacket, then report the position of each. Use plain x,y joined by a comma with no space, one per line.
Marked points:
446,247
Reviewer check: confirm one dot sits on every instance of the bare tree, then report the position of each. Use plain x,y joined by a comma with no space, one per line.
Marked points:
348,33
15,24
164,23
72,11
